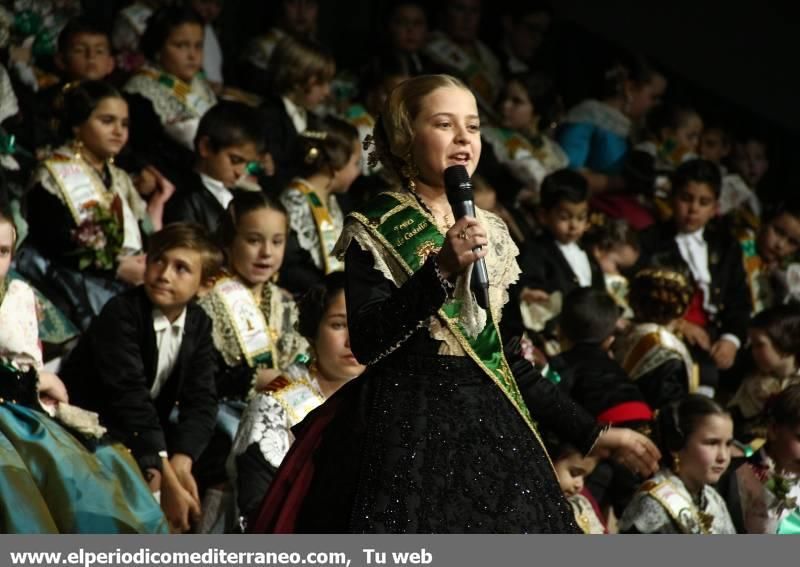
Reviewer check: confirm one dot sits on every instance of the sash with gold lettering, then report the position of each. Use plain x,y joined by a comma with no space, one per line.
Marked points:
79,187
683,512
326,229
410,235
248,322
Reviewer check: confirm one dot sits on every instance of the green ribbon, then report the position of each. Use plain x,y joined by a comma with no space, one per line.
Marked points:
7,143
411,236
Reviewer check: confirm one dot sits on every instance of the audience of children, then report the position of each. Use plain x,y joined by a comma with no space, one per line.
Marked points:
630,322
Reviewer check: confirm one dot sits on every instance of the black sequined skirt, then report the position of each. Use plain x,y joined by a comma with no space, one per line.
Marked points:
429,444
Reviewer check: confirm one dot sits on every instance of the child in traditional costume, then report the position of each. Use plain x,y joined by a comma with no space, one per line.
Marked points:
60,473
254,327
649,351
169,95
695,437
264,434
330,159
763,491
774,346
85,215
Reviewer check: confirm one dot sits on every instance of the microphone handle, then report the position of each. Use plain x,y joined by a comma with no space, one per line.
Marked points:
480,277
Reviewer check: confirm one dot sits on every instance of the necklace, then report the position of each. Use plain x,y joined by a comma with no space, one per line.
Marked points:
445,223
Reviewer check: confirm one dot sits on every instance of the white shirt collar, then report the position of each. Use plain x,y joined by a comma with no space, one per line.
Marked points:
298,115
696,236
217,189
161,323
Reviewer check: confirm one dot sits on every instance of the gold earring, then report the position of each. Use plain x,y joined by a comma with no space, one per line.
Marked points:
77,146
676,463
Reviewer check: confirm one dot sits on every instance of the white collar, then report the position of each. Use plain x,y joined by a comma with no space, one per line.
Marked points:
217,189
696,236
298,114
161,323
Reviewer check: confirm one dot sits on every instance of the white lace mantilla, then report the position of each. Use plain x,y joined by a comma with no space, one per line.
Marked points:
501,265
180,115
648,516
281,316
266,422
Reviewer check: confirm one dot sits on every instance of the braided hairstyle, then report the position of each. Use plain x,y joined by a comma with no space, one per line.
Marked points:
660,295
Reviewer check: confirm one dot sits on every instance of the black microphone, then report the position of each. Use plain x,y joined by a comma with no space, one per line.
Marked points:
459,194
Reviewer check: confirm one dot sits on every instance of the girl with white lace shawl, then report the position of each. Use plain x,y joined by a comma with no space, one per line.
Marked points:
695,437
330,161
265,434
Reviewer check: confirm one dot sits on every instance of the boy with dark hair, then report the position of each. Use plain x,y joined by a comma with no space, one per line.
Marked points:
598,383
228,138
555,261
84,54
150,353
592,378
715,325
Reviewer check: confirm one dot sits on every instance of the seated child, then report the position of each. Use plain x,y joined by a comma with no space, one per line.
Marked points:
716,323
254,327
84,54
615,247
695,437
763,490
774,345
169,95
572,467
649,351
300,78
767,255
85,215
150,353
588,373
737,198
61,474
555,261
330,163
264,435
228,138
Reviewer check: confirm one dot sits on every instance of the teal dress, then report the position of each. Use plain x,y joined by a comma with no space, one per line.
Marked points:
53,478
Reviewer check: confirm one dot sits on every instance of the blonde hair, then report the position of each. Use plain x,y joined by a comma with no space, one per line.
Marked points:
393,135
296,62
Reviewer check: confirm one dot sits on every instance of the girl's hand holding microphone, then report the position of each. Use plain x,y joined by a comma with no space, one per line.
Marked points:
460,248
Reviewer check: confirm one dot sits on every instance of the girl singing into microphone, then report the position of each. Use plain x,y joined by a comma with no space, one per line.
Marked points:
438,435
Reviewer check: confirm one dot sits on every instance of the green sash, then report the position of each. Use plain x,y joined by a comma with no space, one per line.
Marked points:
410,236
790,525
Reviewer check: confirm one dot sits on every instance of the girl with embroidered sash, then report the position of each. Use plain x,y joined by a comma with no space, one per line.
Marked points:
763,492
649,351
774,341
264,434
595,135
58,474
85,215
330,160
529,109
695,437
254,321
169,94
439,422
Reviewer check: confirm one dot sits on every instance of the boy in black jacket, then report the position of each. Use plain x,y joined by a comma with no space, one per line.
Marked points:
148,353
715,325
